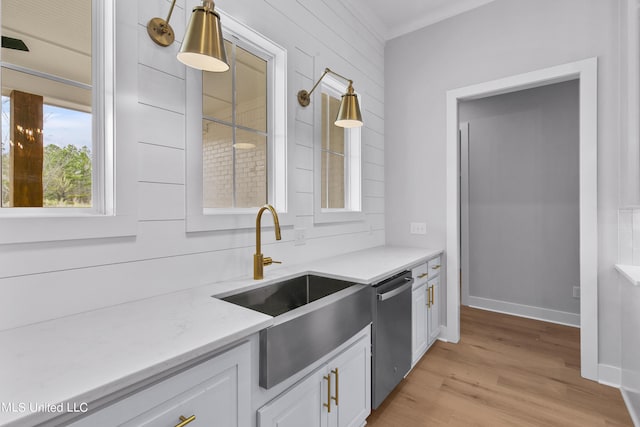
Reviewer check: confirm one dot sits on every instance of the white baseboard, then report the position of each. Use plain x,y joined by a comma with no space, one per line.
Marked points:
632,400
528,311
609,375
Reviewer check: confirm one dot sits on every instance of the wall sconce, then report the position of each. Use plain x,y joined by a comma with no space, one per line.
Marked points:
349,113
203,44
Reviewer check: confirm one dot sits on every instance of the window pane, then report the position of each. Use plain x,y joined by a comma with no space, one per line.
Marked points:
251,84
332,190
217,165
217,92
47,127
332,135
251,169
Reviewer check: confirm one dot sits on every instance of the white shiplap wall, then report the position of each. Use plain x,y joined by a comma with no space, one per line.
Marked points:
49,280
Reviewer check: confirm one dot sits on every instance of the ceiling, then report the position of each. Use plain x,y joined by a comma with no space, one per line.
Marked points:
393,19
58,35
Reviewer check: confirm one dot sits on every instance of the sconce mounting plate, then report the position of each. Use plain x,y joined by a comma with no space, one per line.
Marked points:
303,98
160,31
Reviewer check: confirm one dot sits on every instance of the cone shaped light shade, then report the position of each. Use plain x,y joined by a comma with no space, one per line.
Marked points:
349,114
203,45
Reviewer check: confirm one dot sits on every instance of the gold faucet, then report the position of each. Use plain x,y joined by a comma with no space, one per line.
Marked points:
259,261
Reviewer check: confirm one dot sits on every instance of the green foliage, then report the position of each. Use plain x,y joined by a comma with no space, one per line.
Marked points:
66,175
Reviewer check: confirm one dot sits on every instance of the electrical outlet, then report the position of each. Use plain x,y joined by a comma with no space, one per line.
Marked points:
576,291
299,237
418,228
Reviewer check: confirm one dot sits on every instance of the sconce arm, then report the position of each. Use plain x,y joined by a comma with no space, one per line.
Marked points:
304,97
173,3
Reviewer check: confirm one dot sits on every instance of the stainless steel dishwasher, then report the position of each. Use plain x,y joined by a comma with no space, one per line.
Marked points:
391,334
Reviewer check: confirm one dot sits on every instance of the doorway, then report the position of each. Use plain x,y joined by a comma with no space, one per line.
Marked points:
519,203
585,72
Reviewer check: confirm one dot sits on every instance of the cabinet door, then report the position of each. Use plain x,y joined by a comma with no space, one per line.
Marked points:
302,405
419,323
215,392
434,310
351,384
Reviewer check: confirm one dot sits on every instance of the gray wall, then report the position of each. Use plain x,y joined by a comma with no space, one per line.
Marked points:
523,197
500,39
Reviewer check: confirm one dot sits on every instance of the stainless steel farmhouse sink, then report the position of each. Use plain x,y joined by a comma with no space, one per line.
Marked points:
312,316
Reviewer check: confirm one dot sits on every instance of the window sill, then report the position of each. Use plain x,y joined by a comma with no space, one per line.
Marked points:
56,228
233,221
329,216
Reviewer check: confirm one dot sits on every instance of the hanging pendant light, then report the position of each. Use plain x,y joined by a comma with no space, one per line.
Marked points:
203,44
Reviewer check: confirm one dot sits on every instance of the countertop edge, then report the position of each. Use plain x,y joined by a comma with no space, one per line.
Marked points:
630,272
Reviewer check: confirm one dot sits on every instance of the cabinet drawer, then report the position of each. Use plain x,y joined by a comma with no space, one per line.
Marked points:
214,392
434,266
420,275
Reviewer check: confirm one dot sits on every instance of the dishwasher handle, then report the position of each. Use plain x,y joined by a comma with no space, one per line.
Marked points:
397,291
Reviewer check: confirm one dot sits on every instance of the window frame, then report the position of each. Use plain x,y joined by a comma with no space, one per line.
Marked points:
113,212
353,162
198,218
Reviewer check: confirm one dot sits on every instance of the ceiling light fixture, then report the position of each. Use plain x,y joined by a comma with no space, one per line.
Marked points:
349,115
203,44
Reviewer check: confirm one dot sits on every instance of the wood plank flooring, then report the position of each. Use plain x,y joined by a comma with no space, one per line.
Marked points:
505,371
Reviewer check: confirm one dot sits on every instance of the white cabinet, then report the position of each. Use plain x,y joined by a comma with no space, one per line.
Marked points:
419,322
433,309
425,307
336,395
215,392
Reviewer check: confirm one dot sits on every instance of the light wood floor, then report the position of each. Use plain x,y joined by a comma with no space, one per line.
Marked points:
505,371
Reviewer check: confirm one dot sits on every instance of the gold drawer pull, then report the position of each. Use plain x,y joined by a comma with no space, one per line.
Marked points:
335,371
185,421
435,267
328,404
423,275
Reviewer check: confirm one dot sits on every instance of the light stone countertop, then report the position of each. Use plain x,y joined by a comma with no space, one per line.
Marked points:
85,357
630,272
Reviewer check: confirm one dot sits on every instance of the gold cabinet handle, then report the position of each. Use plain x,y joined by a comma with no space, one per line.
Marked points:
335,372
435,267
185,421
328,404
423,275
431,290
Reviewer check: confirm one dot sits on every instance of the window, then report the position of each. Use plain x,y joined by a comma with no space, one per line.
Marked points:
338,161
47,102
236,134
60,173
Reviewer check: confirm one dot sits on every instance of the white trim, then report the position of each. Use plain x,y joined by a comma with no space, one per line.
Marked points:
528,311
609,375
632,401
353,161
114,101
586,72
228,219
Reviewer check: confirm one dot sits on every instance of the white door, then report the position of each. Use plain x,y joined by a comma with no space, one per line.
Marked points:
351,386
434,309
419,322
300,406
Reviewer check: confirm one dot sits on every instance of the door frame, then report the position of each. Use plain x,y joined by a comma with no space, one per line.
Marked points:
586,71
